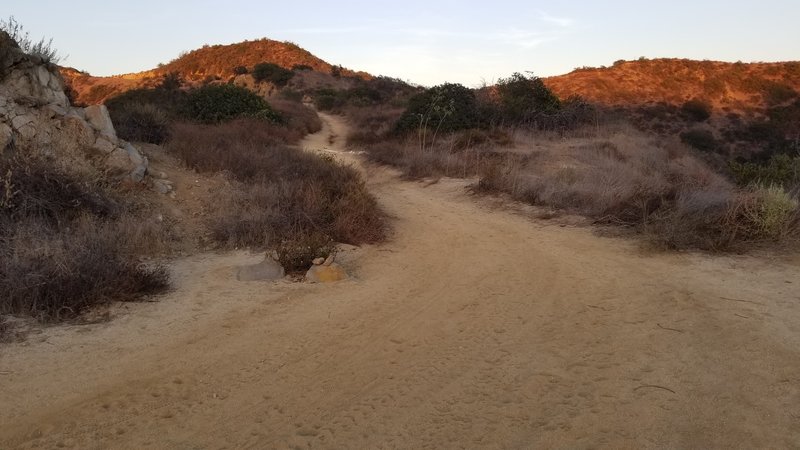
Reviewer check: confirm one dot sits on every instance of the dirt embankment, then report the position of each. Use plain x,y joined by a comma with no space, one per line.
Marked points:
472,327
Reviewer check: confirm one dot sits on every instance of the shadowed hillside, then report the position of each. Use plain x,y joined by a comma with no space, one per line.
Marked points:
214,62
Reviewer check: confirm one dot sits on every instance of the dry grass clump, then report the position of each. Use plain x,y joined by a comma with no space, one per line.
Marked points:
67,244
658,189
286,198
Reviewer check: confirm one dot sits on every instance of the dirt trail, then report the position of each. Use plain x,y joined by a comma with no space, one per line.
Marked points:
471,328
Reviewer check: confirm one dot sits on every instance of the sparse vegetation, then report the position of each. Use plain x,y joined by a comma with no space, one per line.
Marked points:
42,48
67,243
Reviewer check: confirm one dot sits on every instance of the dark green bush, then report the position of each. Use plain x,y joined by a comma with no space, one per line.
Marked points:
240,70
702,140
523,99
272,73
301,67
218,103
447,107
697,110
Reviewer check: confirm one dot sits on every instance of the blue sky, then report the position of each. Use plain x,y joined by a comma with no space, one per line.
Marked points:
426,42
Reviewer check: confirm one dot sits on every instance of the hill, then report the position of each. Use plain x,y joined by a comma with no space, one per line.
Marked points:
211,62
729,87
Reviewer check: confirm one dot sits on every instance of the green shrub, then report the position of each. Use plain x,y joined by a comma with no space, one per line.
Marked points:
218,103
702,140
301,67
447,107
779,170
522,99
272,73
771,213
240,70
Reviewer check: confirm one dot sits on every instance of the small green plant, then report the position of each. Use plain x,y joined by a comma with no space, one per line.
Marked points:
772,212
240,70
272,73
301,67
219,103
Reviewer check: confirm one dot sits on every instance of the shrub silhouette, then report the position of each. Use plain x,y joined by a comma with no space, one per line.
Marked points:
272,73
697,110
522,99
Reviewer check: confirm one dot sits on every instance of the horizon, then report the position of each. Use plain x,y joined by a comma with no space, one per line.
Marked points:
447,42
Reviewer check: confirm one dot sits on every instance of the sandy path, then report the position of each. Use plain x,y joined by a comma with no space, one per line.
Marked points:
470,328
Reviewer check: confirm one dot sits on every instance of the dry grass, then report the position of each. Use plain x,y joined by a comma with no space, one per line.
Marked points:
285,197
614,175
68,244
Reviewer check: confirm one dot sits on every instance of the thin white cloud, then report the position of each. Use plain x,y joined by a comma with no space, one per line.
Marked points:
563,22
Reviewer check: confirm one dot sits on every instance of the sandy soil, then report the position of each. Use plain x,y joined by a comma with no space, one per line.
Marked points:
473,327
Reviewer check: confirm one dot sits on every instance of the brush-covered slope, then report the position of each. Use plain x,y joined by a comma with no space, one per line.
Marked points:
207,63
737,87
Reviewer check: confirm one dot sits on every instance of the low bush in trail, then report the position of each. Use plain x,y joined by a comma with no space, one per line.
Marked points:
286,198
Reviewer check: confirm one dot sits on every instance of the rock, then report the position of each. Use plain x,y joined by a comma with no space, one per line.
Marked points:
326,274
44,76
118,161
319,261
6,136
162,186
100,120
104,146
20,121
136,158
267,270
139,173
27,132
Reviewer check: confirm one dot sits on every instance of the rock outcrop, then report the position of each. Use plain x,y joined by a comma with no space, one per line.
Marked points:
36,116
